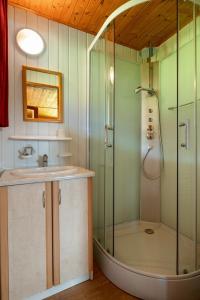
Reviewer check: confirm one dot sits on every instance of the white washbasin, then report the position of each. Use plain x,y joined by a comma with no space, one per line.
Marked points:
48,171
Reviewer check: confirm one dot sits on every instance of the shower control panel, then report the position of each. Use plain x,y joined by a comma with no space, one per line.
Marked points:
150,132
150,128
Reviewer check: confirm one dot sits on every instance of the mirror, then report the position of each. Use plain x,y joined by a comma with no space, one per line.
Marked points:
42,95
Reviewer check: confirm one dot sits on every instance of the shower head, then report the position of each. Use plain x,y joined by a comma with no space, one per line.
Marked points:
151,92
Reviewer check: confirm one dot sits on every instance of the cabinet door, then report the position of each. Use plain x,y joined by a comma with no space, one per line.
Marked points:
27,240
72,220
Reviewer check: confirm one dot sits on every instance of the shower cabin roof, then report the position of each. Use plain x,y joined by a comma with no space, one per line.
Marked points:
154,21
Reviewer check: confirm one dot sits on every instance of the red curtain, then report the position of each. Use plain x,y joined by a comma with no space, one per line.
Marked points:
3,64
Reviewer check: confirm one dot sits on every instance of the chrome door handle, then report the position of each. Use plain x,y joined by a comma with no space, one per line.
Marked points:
107,144
43,199
185,124
59,197
109,127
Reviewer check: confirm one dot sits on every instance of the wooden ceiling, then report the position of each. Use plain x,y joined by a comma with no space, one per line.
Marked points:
148,23
151,23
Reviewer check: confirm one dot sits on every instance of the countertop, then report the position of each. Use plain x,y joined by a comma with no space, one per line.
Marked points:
8,179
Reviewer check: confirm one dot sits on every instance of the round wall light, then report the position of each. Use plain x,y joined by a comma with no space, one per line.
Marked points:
30,42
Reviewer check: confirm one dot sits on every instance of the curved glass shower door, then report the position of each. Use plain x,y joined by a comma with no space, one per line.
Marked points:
145,178
197,20
102,135
144,137
188,138
127,164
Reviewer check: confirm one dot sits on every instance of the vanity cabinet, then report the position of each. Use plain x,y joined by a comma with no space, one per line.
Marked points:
23,214
26,240
46,237
70,229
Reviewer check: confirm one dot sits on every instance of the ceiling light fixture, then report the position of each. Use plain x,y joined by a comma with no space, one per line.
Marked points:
30,42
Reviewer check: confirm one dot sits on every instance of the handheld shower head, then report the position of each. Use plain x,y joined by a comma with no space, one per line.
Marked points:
151,92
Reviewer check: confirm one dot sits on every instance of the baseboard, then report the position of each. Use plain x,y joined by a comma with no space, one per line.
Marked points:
59,288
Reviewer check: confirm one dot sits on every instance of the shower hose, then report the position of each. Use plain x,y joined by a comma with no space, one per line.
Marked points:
146,174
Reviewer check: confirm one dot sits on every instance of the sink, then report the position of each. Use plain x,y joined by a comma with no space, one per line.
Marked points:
40,172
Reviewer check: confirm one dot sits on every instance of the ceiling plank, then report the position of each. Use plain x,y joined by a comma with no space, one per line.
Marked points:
84,22
151,22
78,12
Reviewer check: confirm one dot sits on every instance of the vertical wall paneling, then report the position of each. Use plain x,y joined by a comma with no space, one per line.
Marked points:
64,69
20,59
73,92
65,51
32,127
53,65
89,41
82,66
43,62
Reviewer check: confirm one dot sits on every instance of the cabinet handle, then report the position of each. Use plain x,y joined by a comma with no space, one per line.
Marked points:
43,199
59,197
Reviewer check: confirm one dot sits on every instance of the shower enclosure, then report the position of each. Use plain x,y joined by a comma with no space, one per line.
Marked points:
144,114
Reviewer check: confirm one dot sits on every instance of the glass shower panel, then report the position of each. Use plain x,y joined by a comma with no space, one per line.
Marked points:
109,130
197,16
168,112
127,156
97,123
101,135
186,141
119,91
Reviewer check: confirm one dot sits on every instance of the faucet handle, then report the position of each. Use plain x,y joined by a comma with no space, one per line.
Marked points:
45,160
1,172
45,157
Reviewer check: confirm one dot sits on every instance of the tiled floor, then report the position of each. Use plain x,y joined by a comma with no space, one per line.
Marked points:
98,289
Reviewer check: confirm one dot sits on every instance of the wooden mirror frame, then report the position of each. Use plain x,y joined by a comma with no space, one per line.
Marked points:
25,83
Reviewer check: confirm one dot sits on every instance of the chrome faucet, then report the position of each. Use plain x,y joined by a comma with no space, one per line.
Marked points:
1,172
26,152
45,160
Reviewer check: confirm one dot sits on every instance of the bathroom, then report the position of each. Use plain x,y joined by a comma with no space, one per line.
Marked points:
107,171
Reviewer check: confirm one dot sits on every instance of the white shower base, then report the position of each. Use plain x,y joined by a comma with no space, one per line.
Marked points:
153,253
144,265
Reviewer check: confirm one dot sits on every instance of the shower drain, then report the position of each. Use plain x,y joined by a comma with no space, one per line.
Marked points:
149,231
